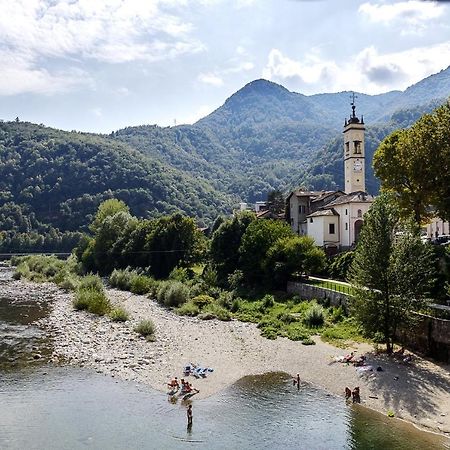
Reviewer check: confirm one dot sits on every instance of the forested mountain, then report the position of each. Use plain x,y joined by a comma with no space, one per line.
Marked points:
55,178
264,137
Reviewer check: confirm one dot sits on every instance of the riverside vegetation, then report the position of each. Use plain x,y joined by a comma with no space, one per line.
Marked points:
238,272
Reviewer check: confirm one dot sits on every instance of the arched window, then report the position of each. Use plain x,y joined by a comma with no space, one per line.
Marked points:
359,213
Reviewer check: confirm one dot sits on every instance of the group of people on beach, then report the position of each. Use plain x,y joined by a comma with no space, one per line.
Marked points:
186,387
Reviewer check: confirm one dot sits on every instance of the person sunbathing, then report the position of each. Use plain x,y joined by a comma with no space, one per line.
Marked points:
174,383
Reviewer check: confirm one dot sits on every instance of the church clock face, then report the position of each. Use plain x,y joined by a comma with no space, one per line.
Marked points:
357,166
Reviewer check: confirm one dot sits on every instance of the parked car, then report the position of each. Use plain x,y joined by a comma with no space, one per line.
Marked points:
443,239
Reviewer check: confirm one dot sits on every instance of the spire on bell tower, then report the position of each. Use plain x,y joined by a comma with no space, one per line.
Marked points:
354,152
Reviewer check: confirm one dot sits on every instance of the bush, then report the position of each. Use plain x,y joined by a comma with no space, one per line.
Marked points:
70,283
188,309
226,299
180,274
315,316
270,332
141,284
202,300
308,341
235,306
215,311
297,332
337,314
121,279
176,294
147,329
268,301
91,282
163,287
92,300
119,315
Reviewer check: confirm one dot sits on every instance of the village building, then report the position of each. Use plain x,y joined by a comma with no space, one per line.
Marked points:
334,218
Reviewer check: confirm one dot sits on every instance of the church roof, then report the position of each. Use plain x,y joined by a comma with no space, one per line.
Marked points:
324,212
353,197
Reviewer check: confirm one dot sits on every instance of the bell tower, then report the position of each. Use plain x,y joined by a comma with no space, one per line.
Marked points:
354,153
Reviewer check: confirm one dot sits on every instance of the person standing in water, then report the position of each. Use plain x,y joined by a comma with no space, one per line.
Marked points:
189,416
296,381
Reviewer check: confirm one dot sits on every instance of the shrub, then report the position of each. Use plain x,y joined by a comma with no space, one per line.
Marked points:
176,294
91,282
91,298
215,311
235,306
163,287
308,341
119,315
268,301
202,300
337,314
121,279
315,316
226,299
188,309
270,332
146,328
141,284
297,332
70,283
180,274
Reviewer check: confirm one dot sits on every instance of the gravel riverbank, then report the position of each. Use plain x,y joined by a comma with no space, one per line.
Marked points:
419,392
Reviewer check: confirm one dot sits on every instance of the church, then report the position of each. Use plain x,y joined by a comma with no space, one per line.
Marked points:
334,218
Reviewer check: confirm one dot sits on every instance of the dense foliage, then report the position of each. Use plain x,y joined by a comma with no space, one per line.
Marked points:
392,271
415,165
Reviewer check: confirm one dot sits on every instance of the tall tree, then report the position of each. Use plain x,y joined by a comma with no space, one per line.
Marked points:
225,243
391,272
292,254
258,238
276,202
415,165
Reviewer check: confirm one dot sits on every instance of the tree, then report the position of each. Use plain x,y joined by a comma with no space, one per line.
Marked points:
391,272
276,202
225,243
175,241
415,165
106,209
258,238
292,254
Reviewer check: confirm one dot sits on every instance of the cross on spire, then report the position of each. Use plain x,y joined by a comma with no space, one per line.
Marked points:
353,96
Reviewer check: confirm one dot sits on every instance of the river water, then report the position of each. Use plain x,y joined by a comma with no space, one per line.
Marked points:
43,406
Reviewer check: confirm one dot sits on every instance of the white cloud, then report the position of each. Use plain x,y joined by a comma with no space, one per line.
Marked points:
369,71
412,15
20,75
41,32
210,78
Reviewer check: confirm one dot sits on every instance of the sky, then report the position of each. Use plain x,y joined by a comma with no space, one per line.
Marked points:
101,65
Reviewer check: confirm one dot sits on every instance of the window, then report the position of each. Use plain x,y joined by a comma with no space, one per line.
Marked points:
301,209
347,147
346,226
310,220
357,146
331,228
359,213
346,212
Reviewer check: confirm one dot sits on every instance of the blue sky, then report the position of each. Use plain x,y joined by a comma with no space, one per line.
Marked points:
100,65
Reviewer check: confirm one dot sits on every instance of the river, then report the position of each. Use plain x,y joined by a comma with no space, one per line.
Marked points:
47,406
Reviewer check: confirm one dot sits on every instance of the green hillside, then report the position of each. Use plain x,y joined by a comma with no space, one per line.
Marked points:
264,137
57,178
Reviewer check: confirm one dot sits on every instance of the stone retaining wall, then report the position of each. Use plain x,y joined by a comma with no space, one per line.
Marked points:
310,292
431,336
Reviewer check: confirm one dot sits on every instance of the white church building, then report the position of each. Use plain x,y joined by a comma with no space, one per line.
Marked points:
334,218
